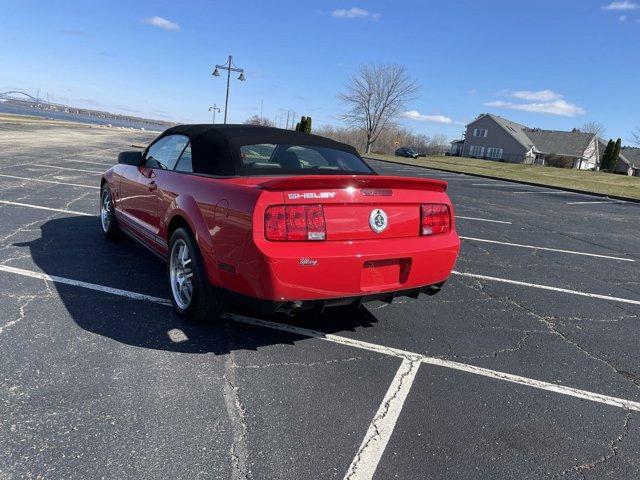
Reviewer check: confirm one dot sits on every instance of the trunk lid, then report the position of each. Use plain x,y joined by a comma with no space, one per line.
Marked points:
361,207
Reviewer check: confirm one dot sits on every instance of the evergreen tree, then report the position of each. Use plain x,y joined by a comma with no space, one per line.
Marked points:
304,125
607,156
616,153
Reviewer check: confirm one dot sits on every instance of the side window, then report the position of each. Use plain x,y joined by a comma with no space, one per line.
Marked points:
165,152
184,163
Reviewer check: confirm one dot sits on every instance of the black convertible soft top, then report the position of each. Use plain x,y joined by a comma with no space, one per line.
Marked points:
215,149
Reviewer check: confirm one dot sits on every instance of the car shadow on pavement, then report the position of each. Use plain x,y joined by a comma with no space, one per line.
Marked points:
75,248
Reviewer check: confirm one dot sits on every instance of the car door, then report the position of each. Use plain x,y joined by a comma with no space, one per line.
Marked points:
139,192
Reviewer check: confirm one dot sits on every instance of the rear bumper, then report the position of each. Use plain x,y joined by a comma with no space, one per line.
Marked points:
329,272
290,307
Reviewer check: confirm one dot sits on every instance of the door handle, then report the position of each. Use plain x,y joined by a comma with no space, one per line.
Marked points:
152,186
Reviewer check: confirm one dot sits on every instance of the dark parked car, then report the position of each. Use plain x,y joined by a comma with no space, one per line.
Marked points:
406,152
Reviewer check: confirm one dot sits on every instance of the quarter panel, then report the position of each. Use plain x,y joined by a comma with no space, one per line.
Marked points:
219,213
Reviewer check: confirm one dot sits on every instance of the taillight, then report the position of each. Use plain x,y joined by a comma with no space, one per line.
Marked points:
294,223
435,219
275,226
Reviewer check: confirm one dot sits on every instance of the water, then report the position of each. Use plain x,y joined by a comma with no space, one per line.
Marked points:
76,117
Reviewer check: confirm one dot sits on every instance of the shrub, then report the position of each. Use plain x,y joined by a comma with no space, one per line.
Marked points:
558,161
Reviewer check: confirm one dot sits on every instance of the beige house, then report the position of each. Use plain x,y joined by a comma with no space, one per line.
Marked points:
629,161
496,138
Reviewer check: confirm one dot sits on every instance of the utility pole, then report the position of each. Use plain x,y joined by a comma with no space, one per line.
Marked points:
261,107
229,67
214,109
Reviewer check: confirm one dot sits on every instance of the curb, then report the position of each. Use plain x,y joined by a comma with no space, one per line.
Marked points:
521,182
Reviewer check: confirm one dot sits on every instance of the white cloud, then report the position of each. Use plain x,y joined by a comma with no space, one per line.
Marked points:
421,117
534,96
622,5
473,91
538,101
556,107
622,18
356,12
162,23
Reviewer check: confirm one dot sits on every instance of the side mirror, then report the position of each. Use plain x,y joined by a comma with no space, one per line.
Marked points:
130,158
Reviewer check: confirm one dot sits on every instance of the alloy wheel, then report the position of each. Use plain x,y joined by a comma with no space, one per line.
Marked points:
106,210
181,274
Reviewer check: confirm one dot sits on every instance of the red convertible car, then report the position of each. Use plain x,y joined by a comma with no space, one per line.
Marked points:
277,220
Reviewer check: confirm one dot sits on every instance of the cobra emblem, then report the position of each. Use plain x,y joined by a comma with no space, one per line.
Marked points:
378,220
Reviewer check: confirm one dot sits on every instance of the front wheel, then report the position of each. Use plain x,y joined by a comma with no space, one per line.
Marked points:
191,294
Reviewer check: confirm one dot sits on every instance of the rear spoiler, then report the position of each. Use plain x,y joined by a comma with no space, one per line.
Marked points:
316,182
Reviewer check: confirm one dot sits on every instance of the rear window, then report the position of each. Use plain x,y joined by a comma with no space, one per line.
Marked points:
275,159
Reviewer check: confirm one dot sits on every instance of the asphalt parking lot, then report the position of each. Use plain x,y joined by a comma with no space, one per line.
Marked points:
525,366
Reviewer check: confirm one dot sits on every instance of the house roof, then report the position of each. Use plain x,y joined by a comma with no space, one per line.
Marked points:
560,143
631,156
515,129
457,142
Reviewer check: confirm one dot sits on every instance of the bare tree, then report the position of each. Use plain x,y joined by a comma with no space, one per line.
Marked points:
386,143
635,135
258,120
594,127
376,95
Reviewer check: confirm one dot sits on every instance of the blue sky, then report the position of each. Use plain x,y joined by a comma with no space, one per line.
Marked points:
549,63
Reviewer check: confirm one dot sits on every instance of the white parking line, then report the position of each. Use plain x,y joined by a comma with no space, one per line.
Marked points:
366,461
373,347
49,181
66,168
531,382
86,161
535,247
13,165
79,283
554,192
483,220
547,287
596,201
40,207
505,183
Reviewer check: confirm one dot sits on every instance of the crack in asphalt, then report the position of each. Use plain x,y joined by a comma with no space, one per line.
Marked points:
24,301
518,346
613,446
237,416
549,323
311,364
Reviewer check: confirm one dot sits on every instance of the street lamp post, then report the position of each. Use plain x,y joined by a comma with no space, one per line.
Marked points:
214,109
229,67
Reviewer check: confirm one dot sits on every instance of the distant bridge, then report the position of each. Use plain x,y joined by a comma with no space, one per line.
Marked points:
11,95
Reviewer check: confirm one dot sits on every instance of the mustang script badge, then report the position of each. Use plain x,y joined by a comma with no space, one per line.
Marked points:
378,220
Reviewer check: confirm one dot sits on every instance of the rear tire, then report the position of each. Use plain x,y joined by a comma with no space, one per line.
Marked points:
108,219
192,296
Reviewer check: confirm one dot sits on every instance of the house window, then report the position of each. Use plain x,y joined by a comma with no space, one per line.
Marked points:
476,151
494,153
480,132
